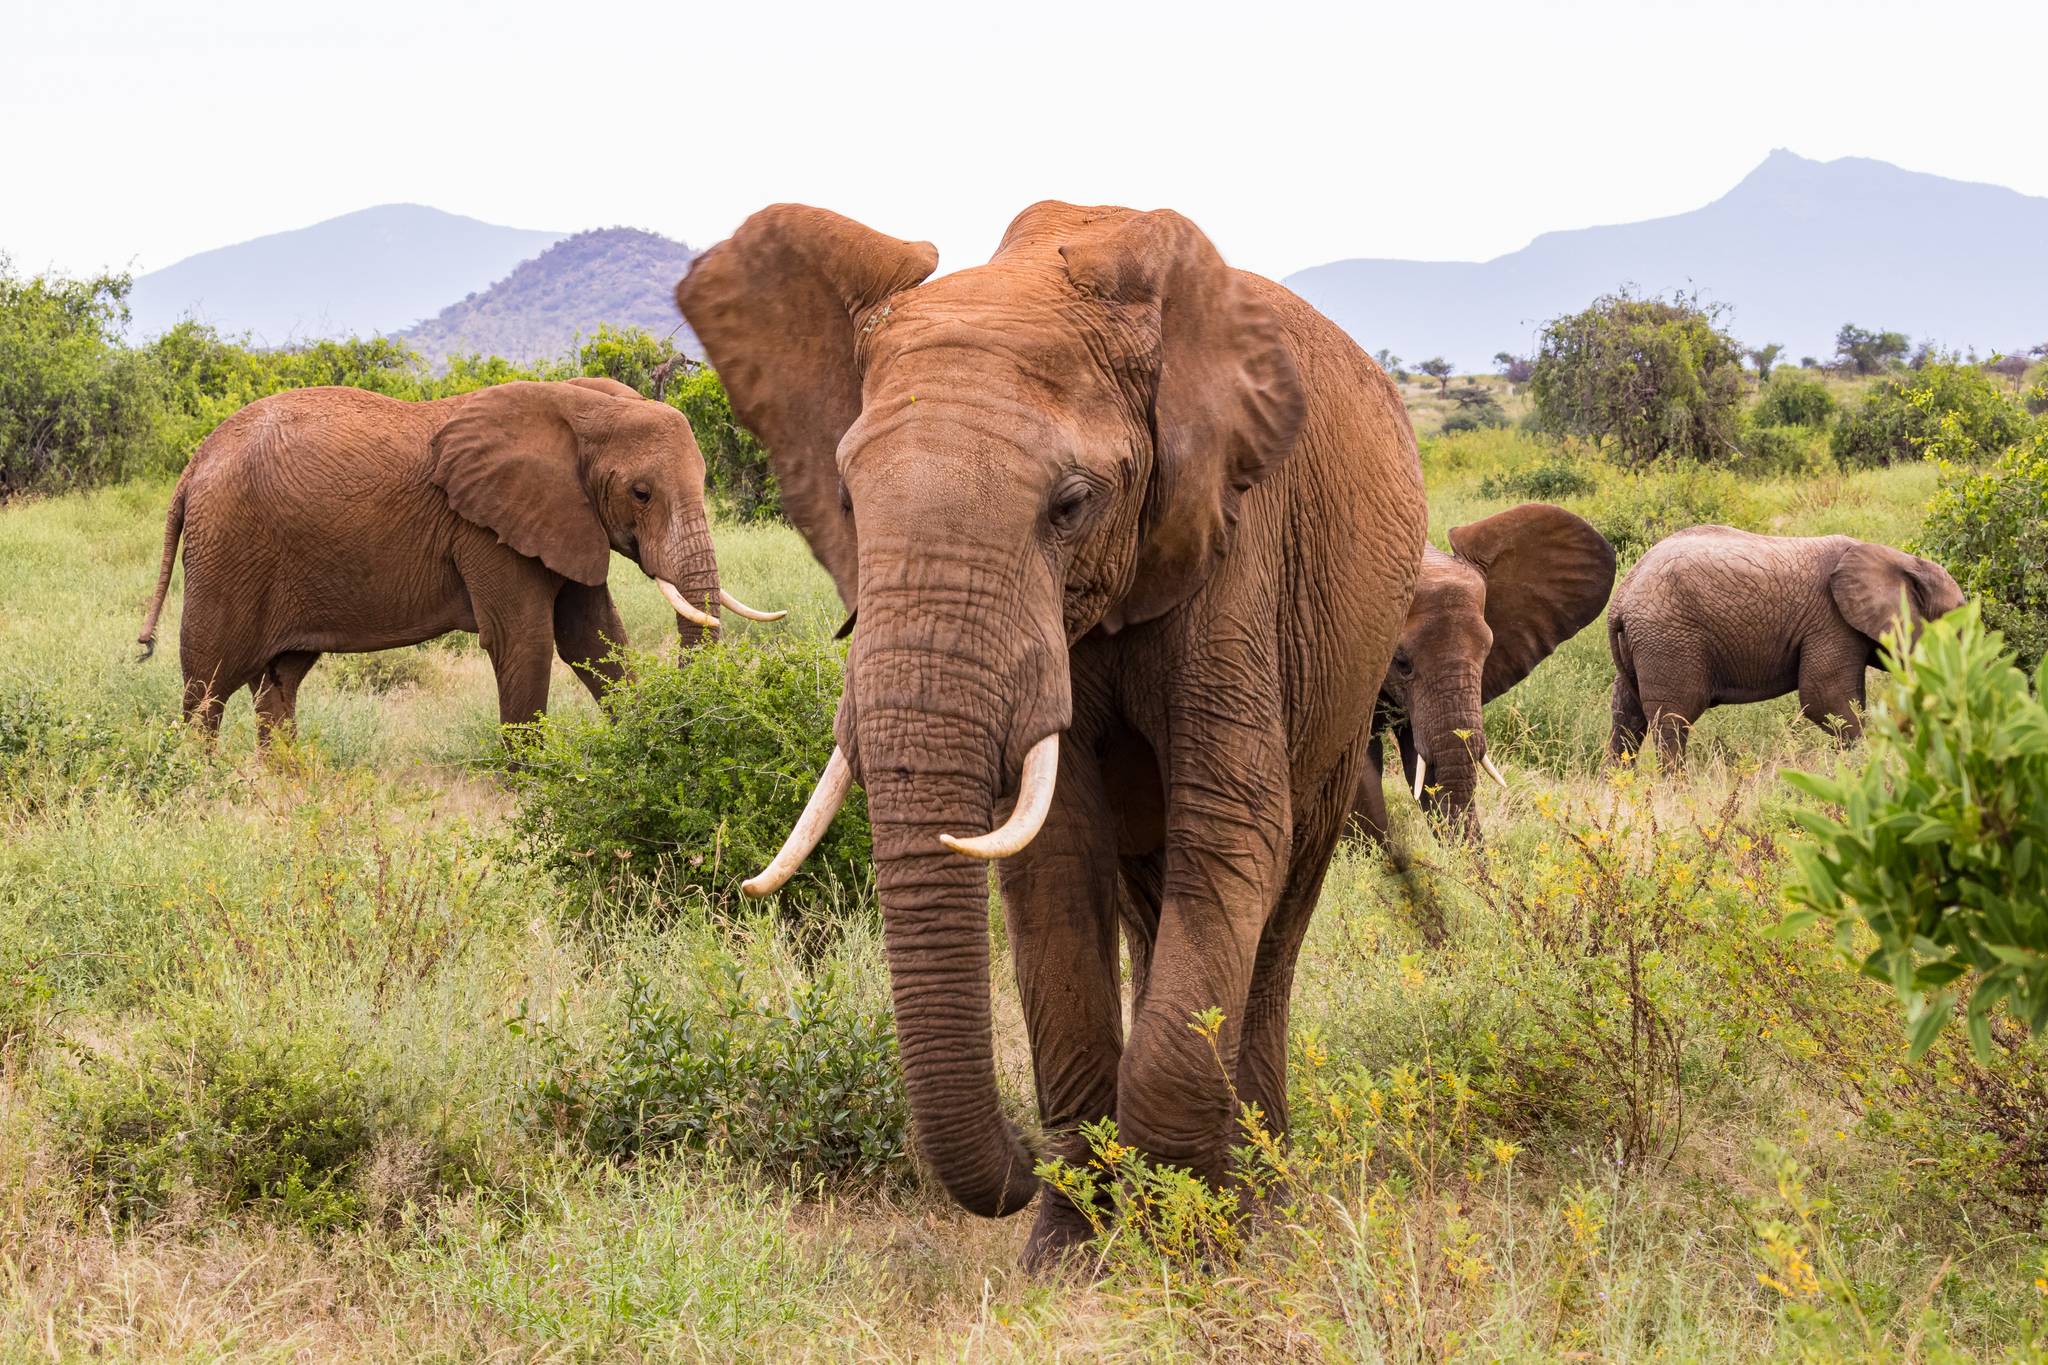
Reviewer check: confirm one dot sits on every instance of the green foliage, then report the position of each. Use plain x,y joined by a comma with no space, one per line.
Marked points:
1654,377
1989,528
735,464
803,1083
1477,409
1639,508
1793,400
76,407
1439,369
1941,847
695,775
384,670
1956,412
1545,481
1868,352
1775,450
207,1109
1764,357
628,354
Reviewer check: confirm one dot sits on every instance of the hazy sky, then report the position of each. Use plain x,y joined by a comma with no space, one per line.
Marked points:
137,133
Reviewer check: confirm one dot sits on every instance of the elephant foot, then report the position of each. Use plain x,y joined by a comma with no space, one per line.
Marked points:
1060,1234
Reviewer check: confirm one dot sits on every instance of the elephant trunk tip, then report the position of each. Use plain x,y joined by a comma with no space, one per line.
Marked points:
996,1190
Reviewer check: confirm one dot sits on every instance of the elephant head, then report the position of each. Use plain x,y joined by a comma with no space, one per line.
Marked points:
1869,582
566,473
991,466
1518,584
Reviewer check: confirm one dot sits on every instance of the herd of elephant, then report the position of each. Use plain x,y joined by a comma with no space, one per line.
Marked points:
1131,539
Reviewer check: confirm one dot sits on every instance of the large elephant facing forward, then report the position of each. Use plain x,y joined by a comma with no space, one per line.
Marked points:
1516,586
1713,615
333,519
1127,534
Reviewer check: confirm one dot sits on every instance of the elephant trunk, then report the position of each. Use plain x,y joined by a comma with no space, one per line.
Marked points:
685,561
1453,757
940,704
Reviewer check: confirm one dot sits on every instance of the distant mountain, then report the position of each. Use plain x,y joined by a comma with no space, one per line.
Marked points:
376,270
1798,248
621,276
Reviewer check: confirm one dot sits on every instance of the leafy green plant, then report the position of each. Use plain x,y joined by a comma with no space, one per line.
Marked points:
1955,411
695,774
205,1109
383,670
1774,451
803,1082
1940,849
1640,508
1651,376
1790,399
1547,480
1989,528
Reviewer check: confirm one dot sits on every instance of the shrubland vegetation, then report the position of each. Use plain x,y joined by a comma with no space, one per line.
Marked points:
419,1039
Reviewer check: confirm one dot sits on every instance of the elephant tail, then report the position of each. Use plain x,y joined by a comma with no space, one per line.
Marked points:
174,527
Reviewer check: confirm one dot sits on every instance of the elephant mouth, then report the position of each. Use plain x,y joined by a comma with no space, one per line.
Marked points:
1013,836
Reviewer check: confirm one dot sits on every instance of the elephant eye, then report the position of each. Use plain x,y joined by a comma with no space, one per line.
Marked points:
642,493
1403,665
1069,505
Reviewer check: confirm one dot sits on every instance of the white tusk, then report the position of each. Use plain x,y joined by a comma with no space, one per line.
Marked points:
1486,762
1034,799
740,608
1421,765
809,828
694,615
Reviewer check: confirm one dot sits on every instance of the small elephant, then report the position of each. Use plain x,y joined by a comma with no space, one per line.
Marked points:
1518,584
1714,615
334,519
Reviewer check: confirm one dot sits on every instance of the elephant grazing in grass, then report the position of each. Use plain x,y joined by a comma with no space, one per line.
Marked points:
1517,585
1128,534
334,519
1713,615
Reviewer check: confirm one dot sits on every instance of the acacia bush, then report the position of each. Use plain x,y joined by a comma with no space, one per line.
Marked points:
1793,400
76,407
1651,377
695,773
1956,411
1989,528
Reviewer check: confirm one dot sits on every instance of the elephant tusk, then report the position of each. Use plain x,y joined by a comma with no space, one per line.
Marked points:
809,829
740,608
694,615
1421,765
1034,799
1486,762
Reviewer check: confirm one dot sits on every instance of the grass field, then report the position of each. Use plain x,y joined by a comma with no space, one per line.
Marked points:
1562,1098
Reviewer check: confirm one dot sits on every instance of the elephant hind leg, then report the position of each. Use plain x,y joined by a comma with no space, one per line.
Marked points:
1630,724
276,693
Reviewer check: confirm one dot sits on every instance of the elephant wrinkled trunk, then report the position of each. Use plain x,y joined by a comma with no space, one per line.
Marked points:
685,568
1454,759
935,924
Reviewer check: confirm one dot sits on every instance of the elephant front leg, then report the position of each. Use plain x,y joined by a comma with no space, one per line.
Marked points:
513,600
1227,843
587,630
1060,903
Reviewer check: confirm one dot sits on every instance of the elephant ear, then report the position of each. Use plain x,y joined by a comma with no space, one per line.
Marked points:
1548,574
1868,581
778,307
509,462
1227,406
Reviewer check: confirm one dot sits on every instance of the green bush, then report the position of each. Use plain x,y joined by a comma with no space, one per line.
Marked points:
1793,400
1546,481
804,1084
202,1111
695,775
384,670
76,407
1940,850
1955,411
1653,377
1767,450
1640,508
1989,528
1475,413
735,464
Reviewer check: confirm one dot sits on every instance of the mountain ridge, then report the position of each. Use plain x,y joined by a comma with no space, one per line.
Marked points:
1796,248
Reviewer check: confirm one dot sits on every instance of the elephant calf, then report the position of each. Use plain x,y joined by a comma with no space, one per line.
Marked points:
1714,615
1518,585
334,519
